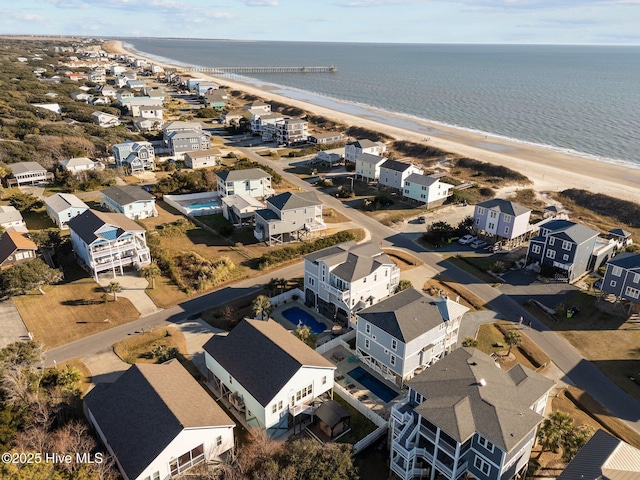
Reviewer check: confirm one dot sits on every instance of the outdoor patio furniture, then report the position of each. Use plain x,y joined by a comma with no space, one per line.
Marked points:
351,386
337,357
340,377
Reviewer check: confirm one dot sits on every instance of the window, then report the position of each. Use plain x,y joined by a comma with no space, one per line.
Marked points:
274,408
636,278
632,292
373,337
565,257
477,221
535,248
551,254
393,360
367,327
491,225
280,405
367,345
156,476
485,443
552,241
375,277
480,211
481,465
394,344
364,280
187,460
612,283
324,380
230,379
507,218
616,272
492,214
566,245
218,440
311,282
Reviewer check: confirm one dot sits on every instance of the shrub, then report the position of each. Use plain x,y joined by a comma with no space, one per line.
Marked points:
490,170
487,192
469,342
499,267
622,210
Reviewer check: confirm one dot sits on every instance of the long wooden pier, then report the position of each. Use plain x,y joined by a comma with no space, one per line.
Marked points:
223,70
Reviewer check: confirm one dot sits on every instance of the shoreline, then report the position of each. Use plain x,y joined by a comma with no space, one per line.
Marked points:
549,170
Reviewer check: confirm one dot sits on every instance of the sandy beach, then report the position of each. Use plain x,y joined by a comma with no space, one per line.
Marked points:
547,169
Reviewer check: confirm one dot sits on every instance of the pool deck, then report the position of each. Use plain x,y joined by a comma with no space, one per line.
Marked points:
276,314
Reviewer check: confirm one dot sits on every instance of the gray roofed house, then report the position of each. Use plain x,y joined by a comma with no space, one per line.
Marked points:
354,149
266,371
368,166
604,457
27,173
504,206
406,333
426,189
621,236
154,415
130,200
394,173
253,182
62,207
11,219
622,277
78,164
499,220
294,216
468,402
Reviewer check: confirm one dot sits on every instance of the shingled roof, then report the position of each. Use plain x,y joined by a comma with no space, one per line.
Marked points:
290,201
351,261
262,357
247,174
147,407
504,206
88,223
626,260
466,393
126,194
12,241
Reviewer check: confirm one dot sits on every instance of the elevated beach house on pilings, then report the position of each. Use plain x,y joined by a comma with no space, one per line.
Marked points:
465,417
622,278
499,220
268,375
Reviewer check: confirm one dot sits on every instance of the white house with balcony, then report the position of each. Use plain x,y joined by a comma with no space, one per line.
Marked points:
268,374
252,182
130,200
402,335
426,189
368,166
354,149
108,242
157,421
393,173
344,279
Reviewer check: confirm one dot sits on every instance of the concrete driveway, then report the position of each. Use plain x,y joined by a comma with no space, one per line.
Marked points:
133,288
12,328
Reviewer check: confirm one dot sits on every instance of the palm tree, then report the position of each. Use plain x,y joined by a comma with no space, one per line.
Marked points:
272,286
114,288
261,306
553,431
281,283
151,271
512,339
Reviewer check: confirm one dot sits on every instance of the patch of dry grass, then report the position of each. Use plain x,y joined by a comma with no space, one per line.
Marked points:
72,311
137,348
329,215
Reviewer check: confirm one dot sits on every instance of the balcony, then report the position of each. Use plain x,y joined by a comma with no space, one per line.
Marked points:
343,295
315,225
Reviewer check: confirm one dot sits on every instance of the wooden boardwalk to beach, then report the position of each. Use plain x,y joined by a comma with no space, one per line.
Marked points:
264,69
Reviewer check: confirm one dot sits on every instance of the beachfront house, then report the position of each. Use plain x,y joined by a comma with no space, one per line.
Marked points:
466,416
15,248
500,220
27,173
265,124
405,333
202,158
135,156
354,149
621,236
394,173
291,131
108,242
77,165
325,138
216,99
564,247
181,142
289,217
130,200
268,374
253,182
622,277
11,219
344,279
426,189
105,120
257,106
240,210
368,166
62,207
157,421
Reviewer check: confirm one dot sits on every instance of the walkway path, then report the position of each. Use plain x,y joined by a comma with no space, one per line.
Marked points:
12,328
133,288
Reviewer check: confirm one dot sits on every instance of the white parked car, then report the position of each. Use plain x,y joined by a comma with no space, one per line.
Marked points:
478,243
466,240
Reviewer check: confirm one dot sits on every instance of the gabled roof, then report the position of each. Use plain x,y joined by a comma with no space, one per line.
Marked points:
619,232
9,213
290,200
409,314
331,413
25,167
420,179
370,158
504,206
62,201
263,357
574,233
364,143
78,161
466,393
190,133
147,407
604,457
180,125
12,241
350,261
396,165
626,260
88,223
126,194
267,214
202,153
239,175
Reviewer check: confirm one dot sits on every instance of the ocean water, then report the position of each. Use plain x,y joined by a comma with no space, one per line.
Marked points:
583,100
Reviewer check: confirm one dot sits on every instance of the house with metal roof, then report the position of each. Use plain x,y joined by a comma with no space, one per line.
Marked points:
622,277
368,166
405,333
130,200
157,421
252,182
11,219
604,457
346,278
15,248
354,149
426,189
268,374
466,416
62,207
108,242
27,173
564,246
499,220
289,217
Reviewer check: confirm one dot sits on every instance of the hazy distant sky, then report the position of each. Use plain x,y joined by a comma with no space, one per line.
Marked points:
419,21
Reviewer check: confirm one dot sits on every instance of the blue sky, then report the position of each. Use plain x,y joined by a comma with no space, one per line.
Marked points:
415,21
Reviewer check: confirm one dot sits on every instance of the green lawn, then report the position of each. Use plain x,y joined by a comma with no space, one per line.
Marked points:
361,426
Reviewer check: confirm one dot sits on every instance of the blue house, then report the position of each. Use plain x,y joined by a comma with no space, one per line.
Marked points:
622,277
132,201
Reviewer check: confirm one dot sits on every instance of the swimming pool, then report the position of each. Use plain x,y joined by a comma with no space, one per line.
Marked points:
298,316
379,389
197,206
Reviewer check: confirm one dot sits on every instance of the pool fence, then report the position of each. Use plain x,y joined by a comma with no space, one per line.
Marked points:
286,297
176,202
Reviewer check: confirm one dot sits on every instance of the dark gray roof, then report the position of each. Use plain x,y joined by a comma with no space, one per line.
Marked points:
459,403
331,413
365,143
290,201
248,174
626,260
329,251
126,194
408,314
420,179
88,223
604,457
574,233
263,357
619,232
504,206
350,261
267,214
147,407
396,165
370,158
